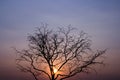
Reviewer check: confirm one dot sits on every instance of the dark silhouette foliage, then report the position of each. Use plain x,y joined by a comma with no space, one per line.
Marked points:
58,55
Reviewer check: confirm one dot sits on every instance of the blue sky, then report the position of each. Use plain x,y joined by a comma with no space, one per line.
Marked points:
99,18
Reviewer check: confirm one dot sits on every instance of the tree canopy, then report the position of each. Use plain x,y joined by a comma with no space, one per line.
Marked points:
59,54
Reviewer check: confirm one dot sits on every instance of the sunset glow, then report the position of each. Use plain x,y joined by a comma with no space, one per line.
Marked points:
100,19
55,70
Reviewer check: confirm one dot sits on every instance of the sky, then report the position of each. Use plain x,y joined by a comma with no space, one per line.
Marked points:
99,18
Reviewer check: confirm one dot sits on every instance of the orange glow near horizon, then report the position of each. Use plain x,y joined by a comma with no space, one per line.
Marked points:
55,70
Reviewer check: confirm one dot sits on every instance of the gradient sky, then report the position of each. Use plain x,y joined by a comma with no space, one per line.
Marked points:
99,18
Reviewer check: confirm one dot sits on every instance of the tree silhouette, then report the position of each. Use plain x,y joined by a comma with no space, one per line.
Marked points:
58,55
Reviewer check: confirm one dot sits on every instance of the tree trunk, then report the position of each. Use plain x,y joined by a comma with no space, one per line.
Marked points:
53,77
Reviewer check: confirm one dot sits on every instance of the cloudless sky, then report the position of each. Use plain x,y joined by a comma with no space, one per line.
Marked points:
99,18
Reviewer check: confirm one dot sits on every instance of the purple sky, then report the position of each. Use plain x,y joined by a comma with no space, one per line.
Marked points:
99,18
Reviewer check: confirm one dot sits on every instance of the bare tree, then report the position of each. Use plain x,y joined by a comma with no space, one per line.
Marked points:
58,55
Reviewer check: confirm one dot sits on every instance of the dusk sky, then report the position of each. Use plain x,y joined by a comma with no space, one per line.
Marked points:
99,18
